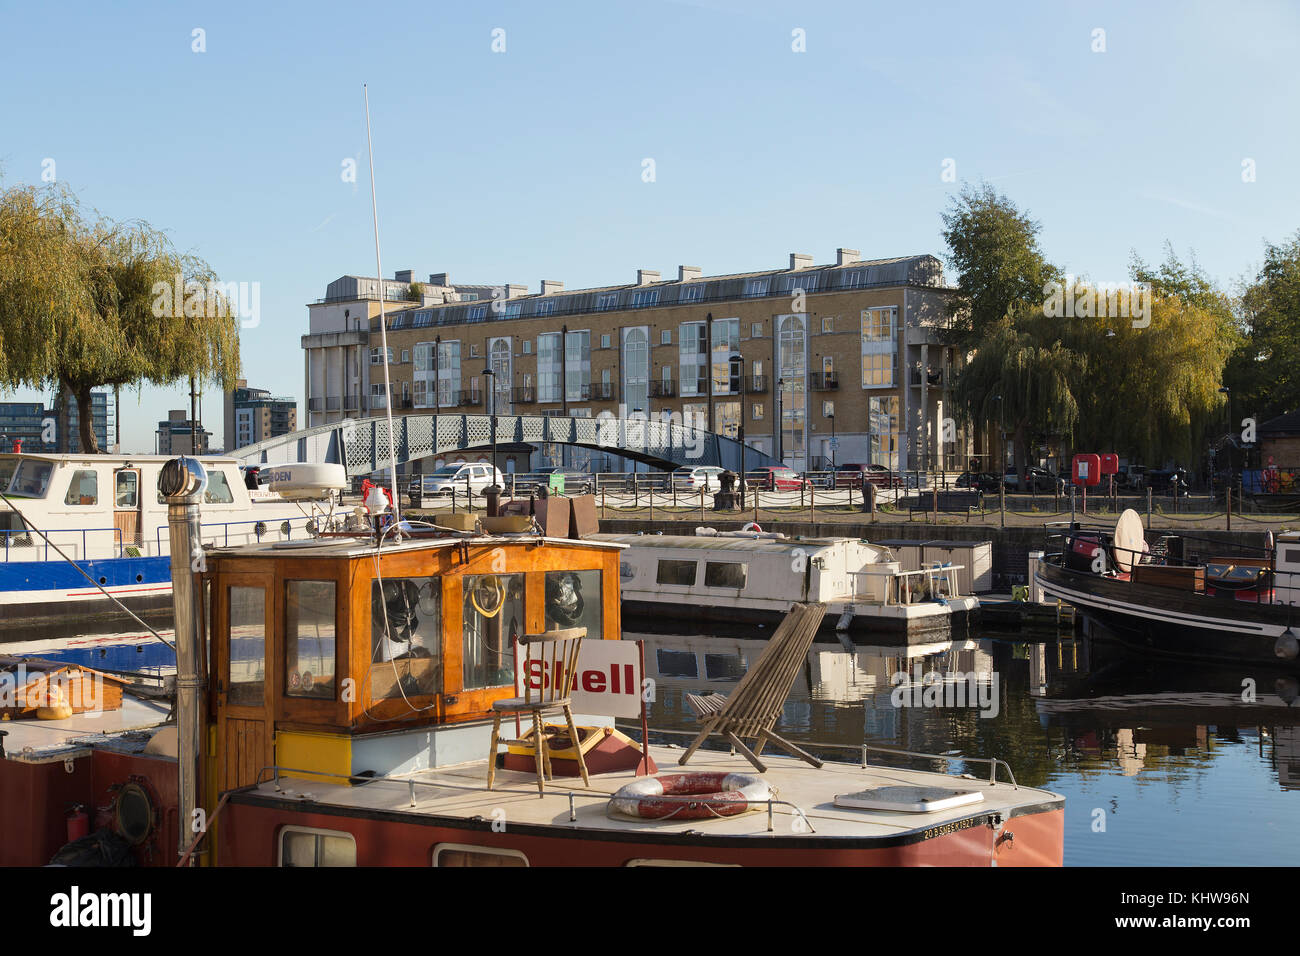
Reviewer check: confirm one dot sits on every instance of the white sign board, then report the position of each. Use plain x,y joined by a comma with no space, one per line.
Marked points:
608,682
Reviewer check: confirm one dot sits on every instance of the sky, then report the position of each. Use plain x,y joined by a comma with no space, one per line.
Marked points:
511,139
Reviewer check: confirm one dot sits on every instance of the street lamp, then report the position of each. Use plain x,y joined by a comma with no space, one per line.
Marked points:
831,416
737,368
780,425
493,494
1002,440
1227,393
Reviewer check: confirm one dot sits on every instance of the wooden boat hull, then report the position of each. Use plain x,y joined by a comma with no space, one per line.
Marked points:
1171,622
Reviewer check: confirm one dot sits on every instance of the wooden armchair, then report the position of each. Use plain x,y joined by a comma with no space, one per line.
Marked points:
753,707
557,651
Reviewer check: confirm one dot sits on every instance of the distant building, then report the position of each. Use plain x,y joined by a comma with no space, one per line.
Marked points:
176,436
253,414
1279,440
21,421
102,413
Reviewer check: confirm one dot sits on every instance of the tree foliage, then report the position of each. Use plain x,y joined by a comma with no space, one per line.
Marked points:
1263,372
82,304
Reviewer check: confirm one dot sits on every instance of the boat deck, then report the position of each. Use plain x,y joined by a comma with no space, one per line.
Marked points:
38,741
461,792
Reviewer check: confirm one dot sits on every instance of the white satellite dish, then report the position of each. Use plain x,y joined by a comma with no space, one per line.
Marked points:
1130,540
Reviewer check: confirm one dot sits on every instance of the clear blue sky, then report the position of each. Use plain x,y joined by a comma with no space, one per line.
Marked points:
523,165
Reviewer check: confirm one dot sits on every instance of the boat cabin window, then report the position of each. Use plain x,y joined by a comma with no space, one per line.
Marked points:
405,637
723,667
305,846
218,490
724,574
31,479
309,628
573,599
456,854
493,616
127,489
676,572
247,646
1289,556
83,489
677,663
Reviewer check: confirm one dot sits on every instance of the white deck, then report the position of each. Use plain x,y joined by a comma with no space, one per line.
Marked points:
461,792
32,740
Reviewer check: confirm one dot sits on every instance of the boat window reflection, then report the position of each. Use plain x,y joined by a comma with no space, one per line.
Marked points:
218,490
309,639
31,479
573,599
405,638
127,488
493,615
247,646
725,574
676,572
83,489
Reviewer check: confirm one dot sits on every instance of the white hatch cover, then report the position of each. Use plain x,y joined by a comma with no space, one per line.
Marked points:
908,799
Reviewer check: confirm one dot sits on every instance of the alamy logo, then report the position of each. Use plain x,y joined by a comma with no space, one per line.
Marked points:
74,908
1076,300
190,299
953,689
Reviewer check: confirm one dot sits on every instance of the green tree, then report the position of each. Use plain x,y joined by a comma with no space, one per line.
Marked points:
1262,371
86,301
993,249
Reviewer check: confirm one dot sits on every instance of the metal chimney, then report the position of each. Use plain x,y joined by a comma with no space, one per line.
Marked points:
182,482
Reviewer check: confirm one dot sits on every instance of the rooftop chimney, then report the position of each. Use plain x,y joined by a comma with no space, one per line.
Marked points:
845,257
686,273
438,278
515,289
404,275
646,276
552,285
800,260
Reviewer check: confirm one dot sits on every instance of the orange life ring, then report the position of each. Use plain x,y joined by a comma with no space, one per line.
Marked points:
691,796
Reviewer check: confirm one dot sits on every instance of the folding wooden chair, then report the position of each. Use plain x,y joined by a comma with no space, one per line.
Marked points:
558,652
754,706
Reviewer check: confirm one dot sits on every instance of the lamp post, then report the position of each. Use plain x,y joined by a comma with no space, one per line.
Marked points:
1227,393
737,364
1002,441
780,424
708,359
493,494
831,416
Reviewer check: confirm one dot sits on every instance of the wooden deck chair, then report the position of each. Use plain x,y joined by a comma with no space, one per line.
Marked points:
558,652
754,706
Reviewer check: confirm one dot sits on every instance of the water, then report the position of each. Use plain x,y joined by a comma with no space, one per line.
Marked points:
1162,764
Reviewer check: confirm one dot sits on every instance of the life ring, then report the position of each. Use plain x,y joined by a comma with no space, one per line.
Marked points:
717,795
752,526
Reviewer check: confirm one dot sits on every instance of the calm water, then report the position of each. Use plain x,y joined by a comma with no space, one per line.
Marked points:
1160,764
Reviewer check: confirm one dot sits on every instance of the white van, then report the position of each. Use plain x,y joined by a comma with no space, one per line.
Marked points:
475,477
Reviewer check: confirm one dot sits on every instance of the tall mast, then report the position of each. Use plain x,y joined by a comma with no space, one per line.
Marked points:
383,326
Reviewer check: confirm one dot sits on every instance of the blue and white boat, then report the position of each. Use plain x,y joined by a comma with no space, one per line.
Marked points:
105,516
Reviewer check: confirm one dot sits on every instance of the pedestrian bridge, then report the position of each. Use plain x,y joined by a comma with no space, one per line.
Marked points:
362,445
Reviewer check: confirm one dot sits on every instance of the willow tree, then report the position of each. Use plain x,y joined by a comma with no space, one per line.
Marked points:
1022,376
88,302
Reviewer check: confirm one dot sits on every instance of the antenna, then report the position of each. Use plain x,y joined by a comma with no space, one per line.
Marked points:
383,327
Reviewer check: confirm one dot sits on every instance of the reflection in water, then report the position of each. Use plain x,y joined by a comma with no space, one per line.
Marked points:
1160,763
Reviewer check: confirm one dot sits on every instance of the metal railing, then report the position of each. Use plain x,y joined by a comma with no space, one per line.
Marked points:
45,535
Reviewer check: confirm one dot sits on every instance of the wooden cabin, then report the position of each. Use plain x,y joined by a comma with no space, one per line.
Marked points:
329,656
29,686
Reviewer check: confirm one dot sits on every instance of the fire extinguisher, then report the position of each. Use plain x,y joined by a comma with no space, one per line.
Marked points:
78,822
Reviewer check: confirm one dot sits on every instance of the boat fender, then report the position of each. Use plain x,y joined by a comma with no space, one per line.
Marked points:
717,795
1286,646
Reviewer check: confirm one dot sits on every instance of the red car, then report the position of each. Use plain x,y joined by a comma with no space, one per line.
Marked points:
772,478
852,476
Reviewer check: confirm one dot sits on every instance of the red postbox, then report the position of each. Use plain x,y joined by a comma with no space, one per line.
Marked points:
1110,464
1086,470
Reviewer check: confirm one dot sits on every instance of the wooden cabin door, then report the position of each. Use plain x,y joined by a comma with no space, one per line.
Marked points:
126,506
245,743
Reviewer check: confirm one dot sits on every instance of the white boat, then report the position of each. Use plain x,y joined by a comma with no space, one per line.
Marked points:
752,578
75,526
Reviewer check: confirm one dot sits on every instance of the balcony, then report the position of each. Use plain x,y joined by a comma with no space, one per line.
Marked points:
470,398
663,388
758,384
600,392
524,395
933,378
331,404
350,403
825,382
316,404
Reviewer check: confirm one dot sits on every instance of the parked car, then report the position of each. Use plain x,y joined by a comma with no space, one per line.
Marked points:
774,478
475,477
705,477
1036,479
853,475
575,482
978,480
1132,477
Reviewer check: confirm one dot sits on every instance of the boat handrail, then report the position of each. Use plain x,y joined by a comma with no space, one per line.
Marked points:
902,574
993,762
412,783
945,569
8,533
225,525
